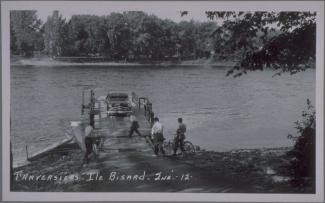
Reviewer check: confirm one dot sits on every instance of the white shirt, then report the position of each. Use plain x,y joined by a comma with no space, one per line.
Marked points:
88,130
133,118
157,128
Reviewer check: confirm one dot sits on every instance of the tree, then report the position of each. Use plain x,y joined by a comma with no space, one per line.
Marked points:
303,155
26,32
119,34
13,40
204,41
152,37
137,41
292,50
55,35
187,36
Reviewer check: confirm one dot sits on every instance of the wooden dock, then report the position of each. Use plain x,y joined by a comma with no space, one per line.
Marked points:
114,130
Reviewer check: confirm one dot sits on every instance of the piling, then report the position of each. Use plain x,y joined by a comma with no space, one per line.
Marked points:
91,112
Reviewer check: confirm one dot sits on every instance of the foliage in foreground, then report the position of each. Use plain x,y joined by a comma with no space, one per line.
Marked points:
303,155
292,49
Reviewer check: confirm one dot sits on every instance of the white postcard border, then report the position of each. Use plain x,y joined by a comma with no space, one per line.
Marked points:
317,6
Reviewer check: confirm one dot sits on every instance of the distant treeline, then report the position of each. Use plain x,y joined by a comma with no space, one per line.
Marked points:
132,35
284,41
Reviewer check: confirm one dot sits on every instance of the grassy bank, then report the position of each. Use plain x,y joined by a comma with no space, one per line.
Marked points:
252,170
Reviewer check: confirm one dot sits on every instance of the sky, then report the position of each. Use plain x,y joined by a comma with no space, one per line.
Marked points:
163,9
167,13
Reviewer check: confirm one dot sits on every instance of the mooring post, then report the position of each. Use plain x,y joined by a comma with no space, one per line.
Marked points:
145,106
149,110
83,102
91,112
92,118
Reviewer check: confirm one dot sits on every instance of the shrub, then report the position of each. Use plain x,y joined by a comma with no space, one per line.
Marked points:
302,162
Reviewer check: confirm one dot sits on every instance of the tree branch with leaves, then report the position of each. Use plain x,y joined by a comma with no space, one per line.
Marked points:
284,41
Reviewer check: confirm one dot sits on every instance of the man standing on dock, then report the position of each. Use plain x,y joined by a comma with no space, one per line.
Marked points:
180,136
158,137
134,126
88,143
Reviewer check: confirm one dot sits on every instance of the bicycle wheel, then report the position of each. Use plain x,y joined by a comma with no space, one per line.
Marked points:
189,147
168,147
95,149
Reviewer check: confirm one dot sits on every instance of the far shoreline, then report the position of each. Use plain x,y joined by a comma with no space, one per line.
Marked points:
93,61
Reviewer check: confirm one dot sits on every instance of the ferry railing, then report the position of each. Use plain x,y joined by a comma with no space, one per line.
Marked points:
135,98
148,112
141,101
91,107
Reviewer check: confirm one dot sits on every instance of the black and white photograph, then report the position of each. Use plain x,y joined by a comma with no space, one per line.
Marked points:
167,98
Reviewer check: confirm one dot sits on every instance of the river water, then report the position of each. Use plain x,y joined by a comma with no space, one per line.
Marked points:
221,113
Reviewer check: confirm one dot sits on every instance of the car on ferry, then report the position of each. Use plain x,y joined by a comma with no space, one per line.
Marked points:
119,104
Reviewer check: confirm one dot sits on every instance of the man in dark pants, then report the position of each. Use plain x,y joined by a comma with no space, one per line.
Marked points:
89,141
180,136
134,126
158,137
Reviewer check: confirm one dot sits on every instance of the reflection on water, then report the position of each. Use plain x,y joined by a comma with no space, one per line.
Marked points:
221,112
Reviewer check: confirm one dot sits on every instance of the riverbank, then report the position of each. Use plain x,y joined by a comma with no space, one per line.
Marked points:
99,61
246,171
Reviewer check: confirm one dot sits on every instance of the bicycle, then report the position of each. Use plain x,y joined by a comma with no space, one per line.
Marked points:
98,144
169,146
